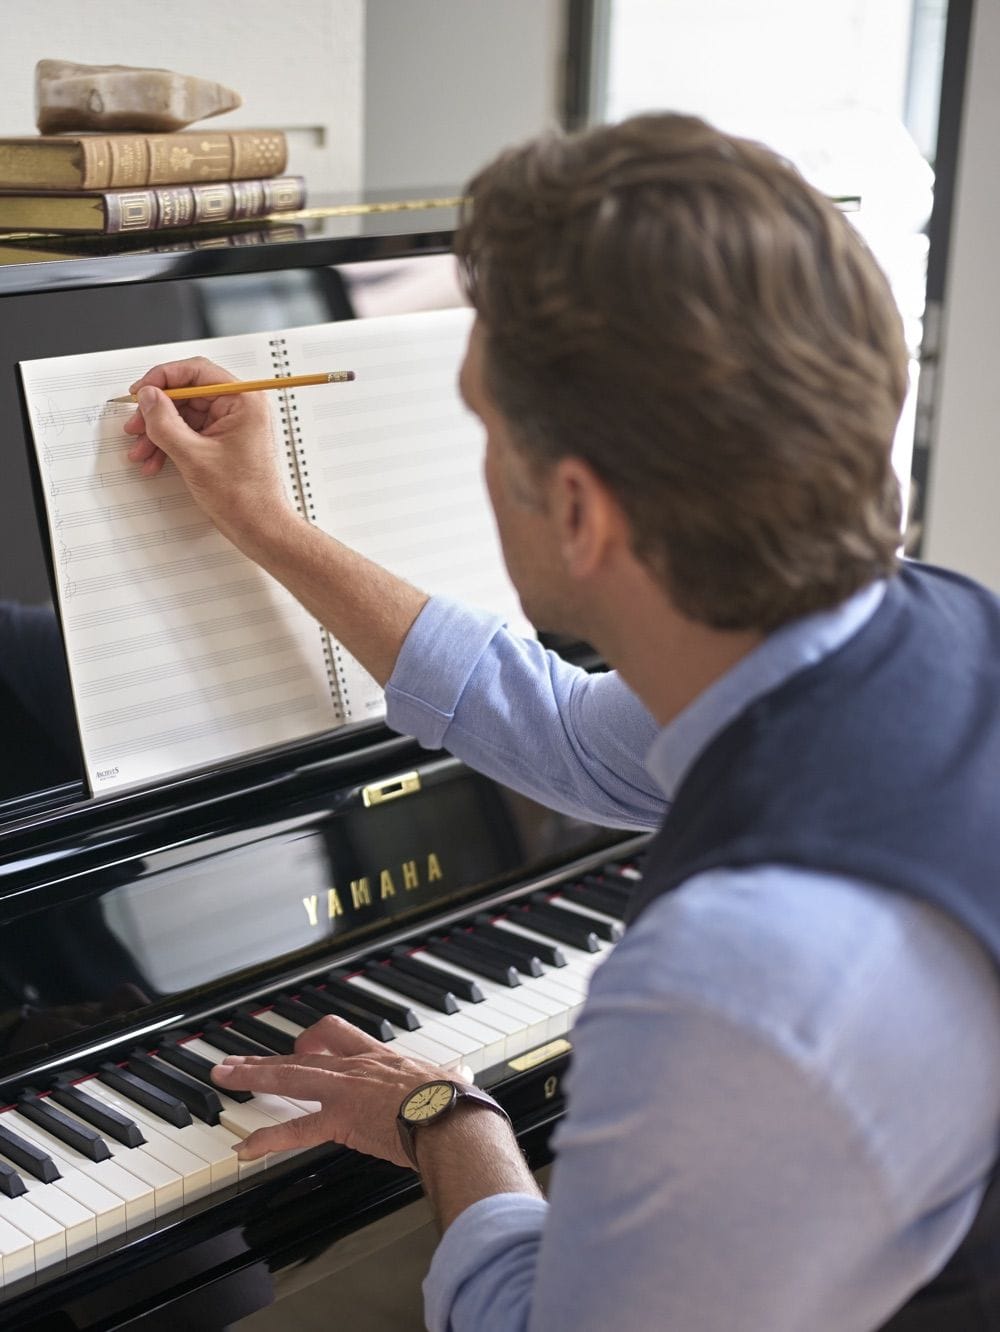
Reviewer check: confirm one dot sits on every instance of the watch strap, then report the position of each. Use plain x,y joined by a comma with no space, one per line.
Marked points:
463,1093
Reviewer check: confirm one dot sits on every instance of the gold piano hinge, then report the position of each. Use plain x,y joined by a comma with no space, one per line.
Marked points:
541,1055
391,789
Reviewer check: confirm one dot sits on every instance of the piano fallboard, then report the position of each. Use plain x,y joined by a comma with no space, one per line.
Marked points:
386,896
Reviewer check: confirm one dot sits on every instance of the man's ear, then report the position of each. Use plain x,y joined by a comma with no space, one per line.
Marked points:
589,520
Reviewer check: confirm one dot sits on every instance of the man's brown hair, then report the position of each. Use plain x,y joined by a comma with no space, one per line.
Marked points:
681,309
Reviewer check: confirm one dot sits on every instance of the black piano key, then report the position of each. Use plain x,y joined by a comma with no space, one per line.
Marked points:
399,1015
361,1018
403,960
454,950
526,948
82,1139
202,1101
32,1160
277,1041
11,1183
528,963
555,924
194,1065
112,1123
231,1042
611,930
434,996
597,896
614,884
293,1010
151,1098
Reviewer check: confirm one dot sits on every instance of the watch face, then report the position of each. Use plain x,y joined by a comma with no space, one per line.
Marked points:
428,1102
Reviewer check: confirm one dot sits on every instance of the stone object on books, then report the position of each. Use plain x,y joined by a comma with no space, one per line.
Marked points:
71,97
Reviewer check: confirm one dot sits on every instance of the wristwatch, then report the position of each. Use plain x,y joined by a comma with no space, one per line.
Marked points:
430,1102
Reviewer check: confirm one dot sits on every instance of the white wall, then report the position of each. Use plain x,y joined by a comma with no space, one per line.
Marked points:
962,523
450,82
298,67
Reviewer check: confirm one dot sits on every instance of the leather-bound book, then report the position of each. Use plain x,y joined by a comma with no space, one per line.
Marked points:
158,208
120,161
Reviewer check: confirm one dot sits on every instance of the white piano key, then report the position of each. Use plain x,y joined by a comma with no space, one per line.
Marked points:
265,1108
212,1143
137,1195
486,1046
79,1223
166,1182
264,1111
46,1235
454,1038
418,1045
281,1023
579,961
533,1023
411,1042
107,1208
17,1253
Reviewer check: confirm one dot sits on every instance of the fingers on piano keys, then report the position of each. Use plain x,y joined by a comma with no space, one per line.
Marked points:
107,1153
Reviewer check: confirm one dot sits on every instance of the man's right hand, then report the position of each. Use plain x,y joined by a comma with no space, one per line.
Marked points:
223,447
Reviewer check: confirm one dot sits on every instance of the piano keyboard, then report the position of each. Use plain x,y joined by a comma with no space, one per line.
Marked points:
106,1152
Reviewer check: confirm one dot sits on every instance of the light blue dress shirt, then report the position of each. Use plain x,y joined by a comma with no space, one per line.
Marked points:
785,1092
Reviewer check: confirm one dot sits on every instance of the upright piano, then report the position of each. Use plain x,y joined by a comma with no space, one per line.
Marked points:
145,934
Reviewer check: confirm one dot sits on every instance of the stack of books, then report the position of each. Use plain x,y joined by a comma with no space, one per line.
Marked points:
123,183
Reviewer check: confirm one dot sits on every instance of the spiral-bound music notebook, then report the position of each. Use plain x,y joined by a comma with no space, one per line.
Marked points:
182,652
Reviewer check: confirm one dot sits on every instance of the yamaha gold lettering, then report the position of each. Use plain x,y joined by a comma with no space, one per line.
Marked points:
361,893
411,876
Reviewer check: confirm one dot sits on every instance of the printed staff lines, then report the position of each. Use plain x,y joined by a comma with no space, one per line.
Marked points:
364,453
423,525
122,647
164,536
86,446
85,587
375,485
170,739
119,377
195,596
376,408
83,485
362,342
128,509
240,652
193,697
421,369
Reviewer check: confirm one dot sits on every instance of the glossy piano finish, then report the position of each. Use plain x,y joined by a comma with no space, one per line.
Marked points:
214,907
57,263
158,945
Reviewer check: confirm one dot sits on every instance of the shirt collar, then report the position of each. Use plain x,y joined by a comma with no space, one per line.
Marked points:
781,655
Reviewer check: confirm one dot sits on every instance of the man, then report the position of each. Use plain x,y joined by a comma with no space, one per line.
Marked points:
785,1095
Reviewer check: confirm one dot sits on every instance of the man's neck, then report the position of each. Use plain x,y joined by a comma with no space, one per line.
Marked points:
667,659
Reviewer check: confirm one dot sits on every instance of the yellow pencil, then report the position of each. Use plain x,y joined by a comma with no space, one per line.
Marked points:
250,386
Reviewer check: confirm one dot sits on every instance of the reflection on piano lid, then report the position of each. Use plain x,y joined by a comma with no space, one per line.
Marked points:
144,936
458,921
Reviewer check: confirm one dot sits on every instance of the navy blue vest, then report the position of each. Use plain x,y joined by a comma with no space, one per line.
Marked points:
882,763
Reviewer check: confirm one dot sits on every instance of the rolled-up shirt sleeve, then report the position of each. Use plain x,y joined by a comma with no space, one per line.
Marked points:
573,740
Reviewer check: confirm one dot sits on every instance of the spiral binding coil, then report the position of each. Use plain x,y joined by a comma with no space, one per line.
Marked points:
304,504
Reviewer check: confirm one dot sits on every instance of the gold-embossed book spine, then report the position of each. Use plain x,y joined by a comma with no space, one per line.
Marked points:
127,161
